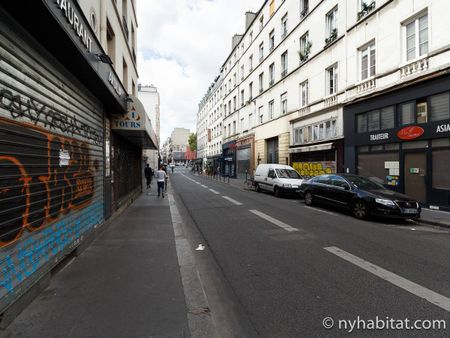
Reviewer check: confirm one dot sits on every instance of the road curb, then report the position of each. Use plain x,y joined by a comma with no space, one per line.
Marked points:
435,223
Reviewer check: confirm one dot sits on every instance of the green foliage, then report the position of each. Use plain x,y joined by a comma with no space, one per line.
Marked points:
192,141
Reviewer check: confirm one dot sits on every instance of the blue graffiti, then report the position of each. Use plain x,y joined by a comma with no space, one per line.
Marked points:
41,247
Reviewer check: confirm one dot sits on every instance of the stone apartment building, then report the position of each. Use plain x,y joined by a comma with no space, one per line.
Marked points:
340,86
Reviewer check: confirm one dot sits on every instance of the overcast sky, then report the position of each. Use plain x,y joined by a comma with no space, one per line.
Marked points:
181,46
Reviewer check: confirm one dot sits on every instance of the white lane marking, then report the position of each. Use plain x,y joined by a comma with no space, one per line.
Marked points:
283,225
197,182
320,210
213,191
204,186
200,247
232,200
416,289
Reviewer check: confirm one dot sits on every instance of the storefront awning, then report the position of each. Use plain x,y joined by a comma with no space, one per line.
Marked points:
317,147
136,126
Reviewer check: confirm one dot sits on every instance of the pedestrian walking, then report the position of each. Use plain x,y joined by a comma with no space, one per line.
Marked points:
161,179
148,173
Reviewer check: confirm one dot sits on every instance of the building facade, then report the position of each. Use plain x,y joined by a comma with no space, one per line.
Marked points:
149,97
178,144
326,86
67,162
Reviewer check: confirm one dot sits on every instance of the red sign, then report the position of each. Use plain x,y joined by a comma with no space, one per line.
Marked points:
410,133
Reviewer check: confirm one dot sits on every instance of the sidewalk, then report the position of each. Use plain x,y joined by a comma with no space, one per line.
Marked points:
126,284
428,216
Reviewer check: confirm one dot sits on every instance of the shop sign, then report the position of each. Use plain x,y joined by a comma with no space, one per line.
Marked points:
115,83
131,121
74,20
410,133
443,128
378,137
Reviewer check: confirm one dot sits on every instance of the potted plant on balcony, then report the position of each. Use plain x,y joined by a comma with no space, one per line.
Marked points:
332,37
303,54
365,9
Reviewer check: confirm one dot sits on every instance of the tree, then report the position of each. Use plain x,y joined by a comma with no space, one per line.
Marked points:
192,141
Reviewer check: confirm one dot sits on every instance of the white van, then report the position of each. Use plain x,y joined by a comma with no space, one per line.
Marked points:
278,178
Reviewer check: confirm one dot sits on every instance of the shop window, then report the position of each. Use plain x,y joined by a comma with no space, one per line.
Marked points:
440,107
406,111
387,118
333,128
363,149
380,165
392,146
440,177
373,120
440,142
415,145
376,147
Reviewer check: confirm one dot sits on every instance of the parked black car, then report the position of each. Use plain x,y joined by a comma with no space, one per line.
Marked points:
361,195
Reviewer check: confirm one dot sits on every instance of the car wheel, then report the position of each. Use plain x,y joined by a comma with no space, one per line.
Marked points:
257,188
360,209
276,191
308,198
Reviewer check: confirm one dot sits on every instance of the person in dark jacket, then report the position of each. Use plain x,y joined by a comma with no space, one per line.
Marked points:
148,173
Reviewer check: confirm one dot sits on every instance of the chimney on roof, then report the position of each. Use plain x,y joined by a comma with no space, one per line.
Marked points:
235,40
249,17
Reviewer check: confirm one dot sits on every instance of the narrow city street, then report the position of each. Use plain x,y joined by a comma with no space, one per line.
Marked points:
289,266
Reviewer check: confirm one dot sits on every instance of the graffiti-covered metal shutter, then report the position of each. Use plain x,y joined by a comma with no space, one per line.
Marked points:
51,163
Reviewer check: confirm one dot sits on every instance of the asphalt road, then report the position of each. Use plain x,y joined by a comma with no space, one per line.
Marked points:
288,267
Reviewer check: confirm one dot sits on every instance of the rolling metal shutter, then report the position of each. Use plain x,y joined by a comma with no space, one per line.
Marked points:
51,163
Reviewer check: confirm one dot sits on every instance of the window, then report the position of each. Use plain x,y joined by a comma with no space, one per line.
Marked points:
272,40
250,120
242,72
250,63
304,8
271,74
242,97
111,42
406,111
416,37
373,120
229,129
305,47
242,125
234,79
125,74
261,51
331,22
261,84
229,107
421,112
387,118
332,80
284,28
261,114
284,64
234,127
261,23
304,93
271,110
283,100
367,55
250,36
250,91
440,107
234,103
361,123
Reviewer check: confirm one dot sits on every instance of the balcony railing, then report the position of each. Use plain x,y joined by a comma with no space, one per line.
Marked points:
366,86
332,37
414,67
304,12
284,73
